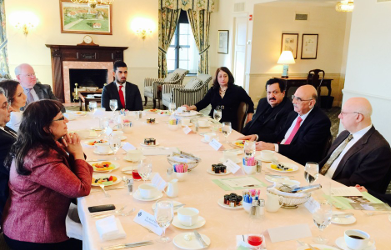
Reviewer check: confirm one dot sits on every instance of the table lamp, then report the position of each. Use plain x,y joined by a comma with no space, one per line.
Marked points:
285,59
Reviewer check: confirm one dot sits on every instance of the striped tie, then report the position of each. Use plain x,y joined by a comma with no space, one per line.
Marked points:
30,97
335,155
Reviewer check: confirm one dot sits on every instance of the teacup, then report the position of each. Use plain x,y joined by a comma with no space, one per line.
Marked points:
102,148
188,216
249,169
203,123
186,122
357,239
208,137
267,155
229,155
134,155
148,191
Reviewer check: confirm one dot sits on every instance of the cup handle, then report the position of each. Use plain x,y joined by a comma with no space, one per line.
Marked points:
371,242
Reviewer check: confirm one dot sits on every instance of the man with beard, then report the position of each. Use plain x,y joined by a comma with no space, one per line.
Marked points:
127,94
271,112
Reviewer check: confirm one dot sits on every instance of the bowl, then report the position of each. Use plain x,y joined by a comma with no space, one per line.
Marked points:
178,160
290,200
181,176
246,206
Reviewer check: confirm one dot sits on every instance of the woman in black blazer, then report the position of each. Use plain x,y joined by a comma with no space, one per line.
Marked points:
227,95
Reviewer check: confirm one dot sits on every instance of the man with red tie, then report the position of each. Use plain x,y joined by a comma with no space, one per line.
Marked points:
127,94
305,133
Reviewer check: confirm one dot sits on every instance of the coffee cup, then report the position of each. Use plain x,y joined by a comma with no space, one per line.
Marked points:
357,239
134,155
102,148
229,155
249,169
203,123
267,155
148,191
188,216
186,122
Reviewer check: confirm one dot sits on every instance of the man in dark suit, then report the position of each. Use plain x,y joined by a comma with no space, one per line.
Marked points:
305,132
7,138
127,94
271,112
360,154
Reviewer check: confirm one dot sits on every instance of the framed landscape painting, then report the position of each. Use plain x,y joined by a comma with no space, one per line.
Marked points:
79,18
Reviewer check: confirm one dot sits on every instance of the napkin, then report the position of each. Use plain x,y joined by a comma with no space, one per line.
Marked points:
110,228
243,245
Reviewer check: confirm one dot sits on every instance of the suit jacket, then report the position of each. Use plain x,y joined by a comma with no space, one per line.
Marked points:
310,139
44,91
6,142
266,119
39,202
132,97
367,162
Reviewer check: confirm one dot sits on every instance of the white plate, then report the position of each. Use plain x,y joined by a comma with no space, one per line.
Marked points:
151,111
343,221
201,221
234,143
127,159
209,171
142,144
237,160
165,113
221,203
180,242
115,164
341,244
207,126
174,203
287,164
137,196
156,122
119,179
190,125
264,160
321,247
79,113
185,114
275,179
123,138
99,153
86,142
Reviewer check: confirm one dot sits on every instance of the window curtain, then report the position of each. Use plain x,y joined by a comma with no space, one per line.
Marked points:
198,13
4,70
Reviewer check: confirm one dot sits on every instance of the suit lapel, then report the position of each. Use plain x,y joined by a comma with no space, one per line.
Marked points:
39,91
128,95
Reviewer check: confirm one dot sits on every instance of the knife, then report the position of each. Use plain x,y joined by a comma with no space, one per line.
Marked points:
199,239
128,245
344,215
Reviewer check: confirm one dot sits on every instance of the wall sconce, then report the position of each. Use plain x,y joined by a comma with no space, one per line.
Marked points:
285,59
24,20
345,6
142,27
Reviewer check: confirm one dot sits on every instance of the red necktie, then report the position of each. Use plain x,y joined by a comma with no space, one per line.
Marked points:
294,131
121,96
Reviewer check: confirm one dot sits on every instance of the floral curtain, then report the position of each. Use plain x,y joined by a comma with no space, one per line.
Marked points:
4,70
198,13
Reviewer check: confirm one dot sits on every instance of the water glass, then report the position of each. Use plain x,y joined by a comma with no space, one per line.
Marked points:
93,106
171,107
311,172
322,218
249,149
144,169
115,142
164,214
226,130
217,113
113,104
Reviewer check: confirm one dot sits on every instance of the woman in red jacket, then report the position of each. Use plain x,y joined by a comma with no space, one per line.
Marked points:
47,171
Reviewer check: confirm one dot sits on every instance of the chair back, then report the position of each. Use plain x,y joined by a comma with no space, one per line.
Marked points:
182,73
242,113
326,147
314,78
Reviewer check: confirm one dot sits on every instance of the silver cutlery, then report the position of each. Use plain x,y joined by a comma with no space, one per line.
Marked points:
199,239
344,215
120,213
305,244
128,245
107,189
103,188
107,212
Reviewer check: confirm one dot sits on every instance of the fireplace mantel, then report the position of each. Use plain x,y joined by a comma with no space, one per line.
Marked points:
81,53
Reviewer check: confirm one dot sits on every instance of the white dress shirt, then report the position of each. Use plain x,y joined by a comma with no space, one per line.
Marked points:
123,89
16,119
356,136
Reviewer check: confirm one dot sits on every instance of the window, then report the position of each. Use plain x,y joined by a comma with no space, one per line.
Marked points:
183,52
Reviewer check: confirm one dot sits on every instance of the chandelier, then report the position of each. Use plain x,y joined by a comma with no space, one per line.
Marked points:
93,3
345,6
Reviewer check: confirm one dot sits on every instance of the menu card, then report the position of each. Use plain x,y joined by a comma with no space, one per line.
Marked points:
147,220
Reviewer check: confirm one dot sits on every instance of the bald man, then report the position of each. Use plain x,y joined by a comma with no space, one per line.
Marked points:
305,132
360,154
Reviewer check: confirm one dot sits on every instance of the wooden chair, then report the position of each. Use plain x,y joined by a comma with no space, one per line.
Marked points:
316,80
327,147
242,113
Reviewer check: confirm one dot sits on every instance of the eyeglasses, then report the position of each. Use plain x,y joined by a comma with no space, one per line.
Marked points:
347,113
59,119
299,99
28,75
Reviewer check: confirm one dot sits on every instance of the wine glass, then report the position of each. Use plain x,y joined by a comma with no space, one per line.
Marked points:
171,107
164,213
93,106
322,218
115,142
311,172
113,105
144,170
226,130
255,240
249,149
217,113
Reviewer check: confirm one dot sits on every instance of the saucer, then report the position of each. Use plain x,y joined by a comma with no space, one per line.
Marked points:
142,144
192,244
213,173
237,160
341,244
201,221
106,153
221,204
137,196
127,159
343,221
318,246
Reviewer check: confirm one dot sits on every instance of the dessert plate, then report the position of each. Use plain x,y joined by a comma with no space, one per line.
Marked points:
185,114
292,167
209,171
95,176
182,242
137,196
343,221
201,221
221,204
265,160
114,166
128,159
341,244
106,153
239,143
92,143
142,144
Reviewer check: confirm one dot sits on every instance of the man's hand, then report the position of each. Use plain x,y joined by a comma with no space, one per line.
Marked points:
264,146
248,137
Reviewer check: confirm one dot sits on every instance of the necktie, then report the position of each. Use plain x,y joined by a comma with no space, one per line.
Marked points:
335,155
121,96
30,97
294,131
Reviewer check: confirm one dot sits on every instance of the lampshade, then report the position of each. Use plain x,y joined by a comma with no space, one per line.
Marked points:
286,58
345,6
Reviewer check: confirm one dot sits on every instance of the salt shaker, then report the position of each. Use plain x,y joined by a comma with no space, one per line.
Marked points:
259,166
129,184
170,171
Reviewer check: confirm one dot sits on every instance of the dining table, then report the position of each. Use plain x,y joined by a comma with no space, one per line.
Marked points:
199,190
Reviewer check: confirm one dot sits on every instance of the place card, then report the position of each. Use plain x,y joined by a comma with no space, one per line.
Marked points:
127,146
148,221
215,144
186,130
232,166
108,131
158,182
311,205
293,232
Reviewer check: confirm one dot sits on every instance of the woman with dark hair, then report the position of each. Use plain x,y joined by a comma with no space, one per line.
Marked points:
227,95
17,98
47,171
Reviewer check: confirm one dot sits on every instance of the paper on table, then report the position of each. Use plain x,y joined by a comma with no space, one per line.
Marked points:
159,151
110,228
241,182
252,182
345,191
293,232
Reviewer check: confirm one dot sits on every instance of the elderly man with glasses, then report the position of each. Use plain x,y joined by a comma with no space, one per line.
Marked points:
360,154
305,133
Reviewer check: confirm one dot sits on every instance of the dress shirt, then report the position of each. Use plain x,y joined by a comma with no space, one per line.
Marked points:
356,136
288,133
33,93
15,121
123,89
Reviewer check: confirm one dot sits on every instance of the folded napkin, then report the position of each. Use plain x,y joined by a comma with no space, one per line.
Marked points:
241,243
110,228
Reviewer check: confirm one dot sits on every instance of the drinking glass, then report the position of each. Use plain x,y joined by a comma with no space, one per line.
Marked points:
227,130
311,172
164,213
115,142
322,218
255,240
249,149
113,105
171,107
93,106
144,169
217,113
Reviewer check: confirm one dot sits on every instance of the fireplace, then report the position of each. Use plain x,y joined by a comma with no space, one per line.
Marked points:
86,78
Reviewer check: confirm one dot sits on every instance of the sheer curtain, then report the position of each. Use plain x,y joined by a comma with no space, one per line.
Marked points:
4,70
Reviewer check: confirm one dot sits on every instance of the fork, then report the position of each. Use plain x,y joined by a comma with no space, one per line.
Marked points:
115,212
305,244
103,188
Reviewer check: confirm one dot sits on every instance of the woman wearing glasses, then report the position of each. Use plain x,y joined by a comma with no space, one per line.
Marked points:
17,98
47,170
227,95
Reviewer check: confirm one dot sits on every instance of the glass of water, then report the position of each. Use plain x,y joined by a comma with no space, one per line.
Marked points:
93,106
217,113
226,130
171,107
113,105
144,169
115,142
322,218
311,172
164,214
249,149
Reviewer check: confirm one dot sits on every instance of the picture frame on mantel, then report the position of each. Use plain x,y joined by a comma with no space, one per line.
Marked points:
290,42
223,38
309,46
79,18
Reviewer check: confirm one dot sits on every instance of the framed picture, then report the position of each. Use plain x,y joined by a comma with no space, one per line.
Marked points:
309,46
81,19
223,41
289,42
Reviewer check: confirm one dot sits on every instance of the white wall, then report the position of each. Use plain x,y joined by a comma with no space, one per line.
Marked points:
369,60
